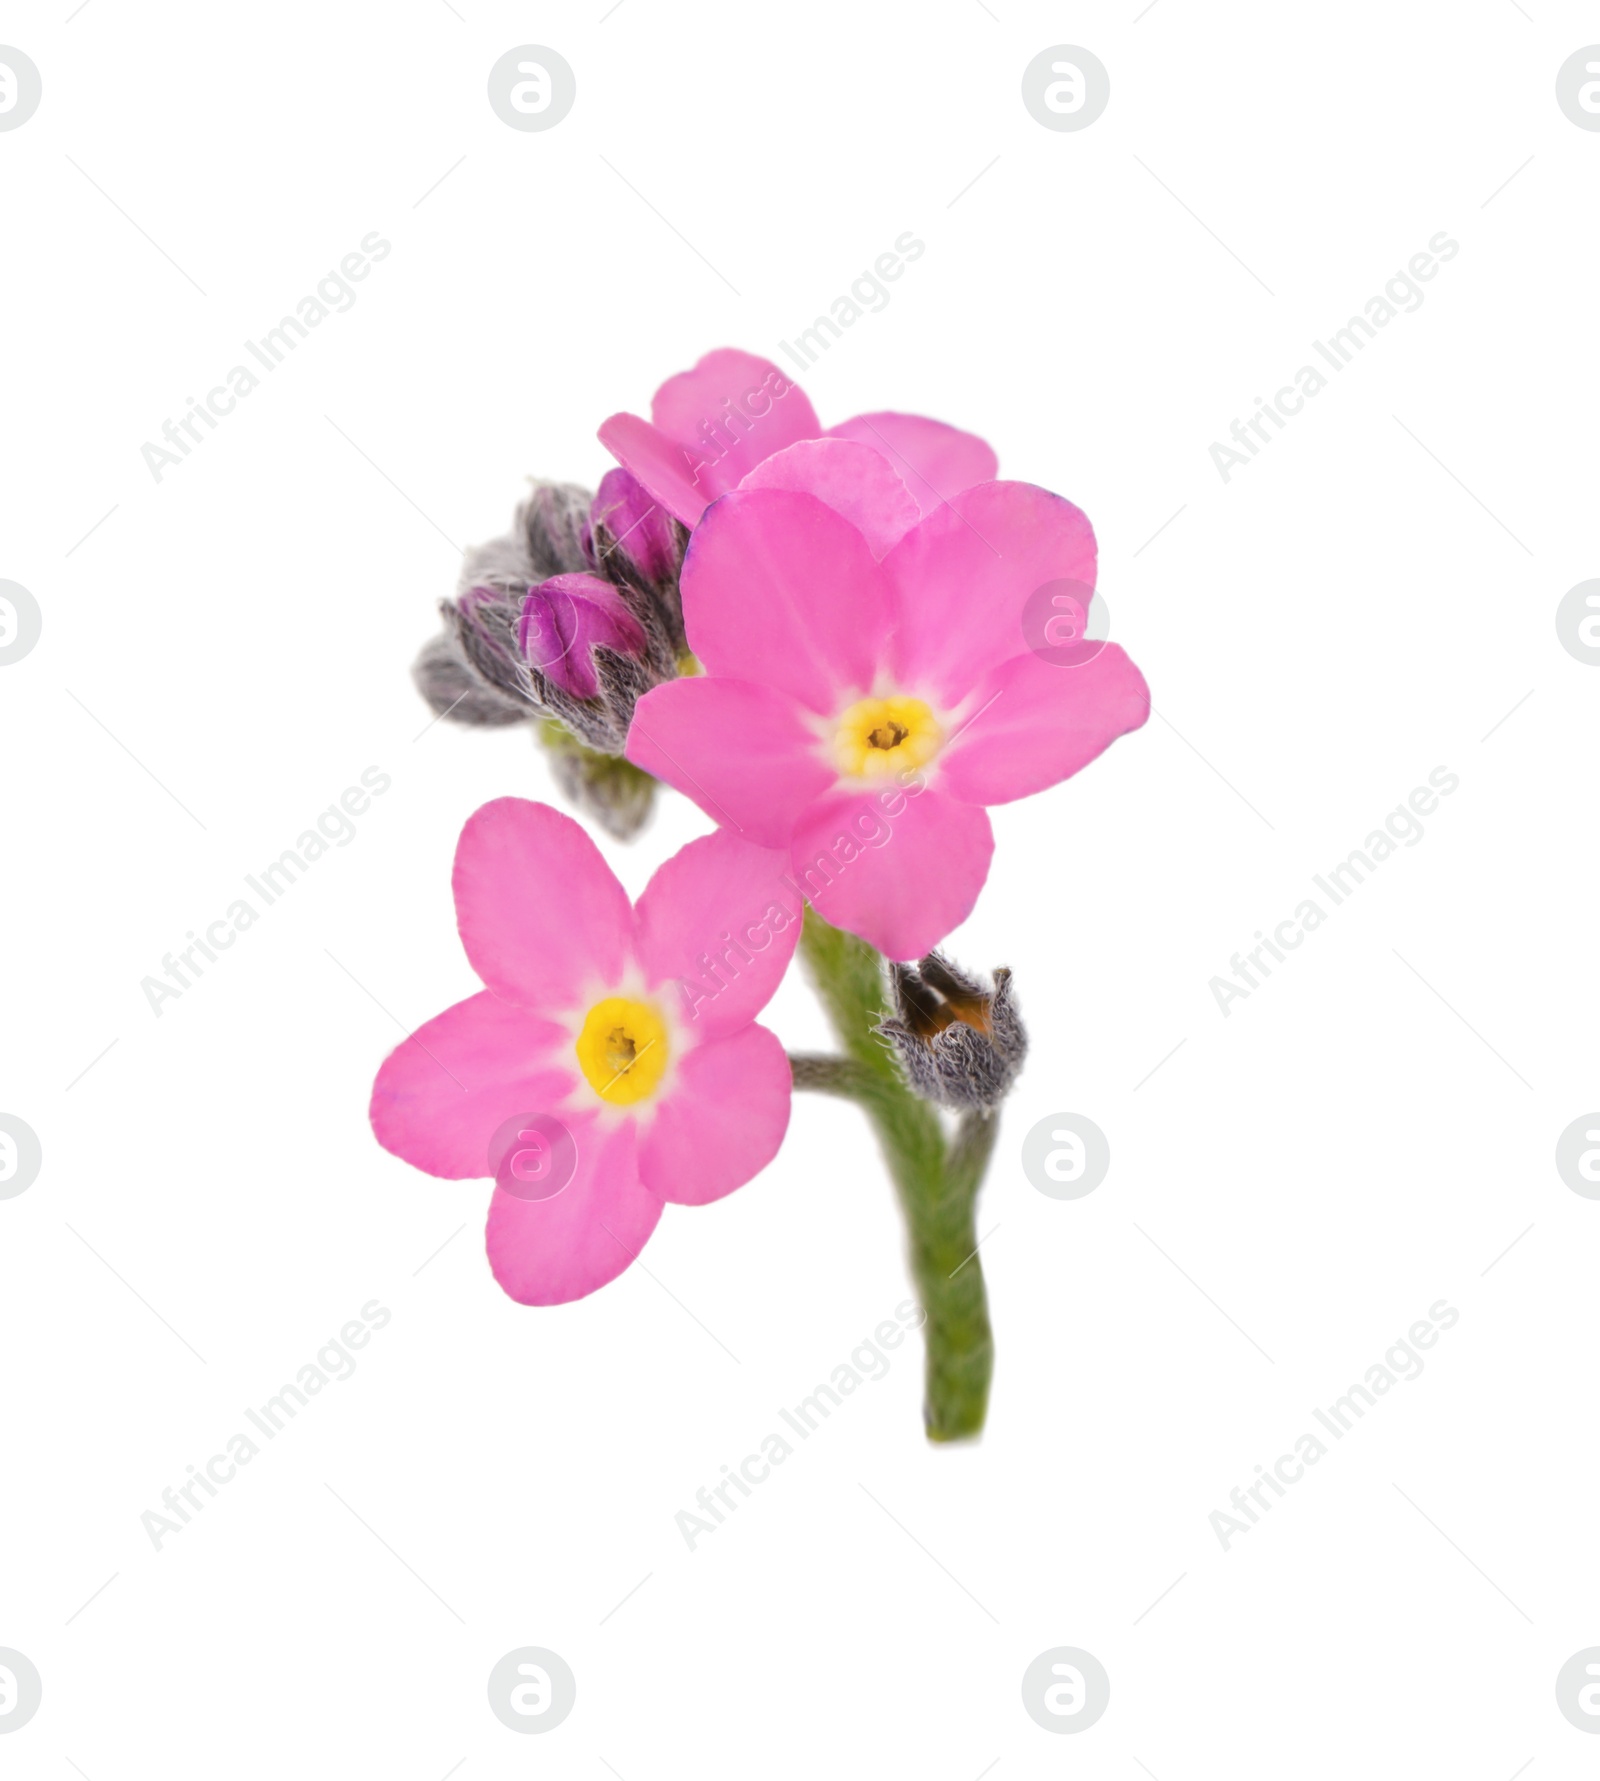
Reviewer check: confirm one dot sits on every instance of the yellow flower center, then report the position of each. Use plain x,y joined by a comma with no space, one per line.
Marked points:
880,737
622,1050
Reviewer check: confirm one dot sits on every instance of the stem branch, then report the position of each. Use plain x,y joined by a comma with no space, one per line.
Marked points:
936,1176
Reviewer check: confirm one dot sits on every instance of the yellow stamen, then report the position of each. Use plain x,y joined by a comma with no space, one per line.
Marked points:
879,737
622,1050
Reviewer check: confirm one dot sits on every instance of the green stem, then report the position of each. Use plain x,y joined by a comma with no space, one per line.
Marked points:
936,1176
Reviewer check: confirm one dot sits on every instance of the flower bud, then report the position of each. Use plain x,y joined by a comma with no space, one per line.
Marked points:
637,543
455,690
592,652
617,794
543,625
565,620
961,1045
482,625
553,525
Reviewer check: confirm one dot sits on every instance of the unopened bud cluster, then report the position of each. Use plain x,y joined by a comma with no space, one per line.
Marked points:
571,616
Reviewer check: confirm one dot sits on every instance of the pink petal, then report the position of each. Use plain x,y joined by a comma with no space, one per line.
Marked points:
856,481
743,753
778,589
1045,723
934,460
712,425
548,1252
734,409
442,1094
963,576
703,923
900,881
541,916
723,1121
660,464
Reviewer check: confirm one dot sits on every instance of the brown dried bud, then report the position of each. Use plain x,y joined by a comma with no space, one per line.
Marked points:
961,1044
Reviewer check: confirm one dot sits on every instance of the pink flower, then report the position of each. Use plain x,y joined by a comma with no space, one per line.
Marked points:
859,714
596,1021
709,428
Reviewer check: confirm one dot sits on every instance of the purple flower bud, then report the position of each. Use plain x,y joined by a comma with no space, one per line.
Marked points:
568,617
629,526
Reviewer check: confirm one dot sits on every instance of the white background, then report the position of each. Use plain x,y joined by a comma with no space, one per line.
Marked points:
1338,1153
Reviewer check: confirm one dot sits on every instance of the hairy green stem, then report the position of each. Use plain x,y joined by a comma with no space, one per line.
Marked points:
936,1175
